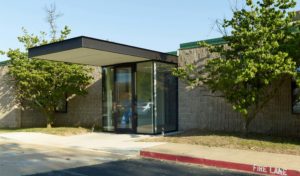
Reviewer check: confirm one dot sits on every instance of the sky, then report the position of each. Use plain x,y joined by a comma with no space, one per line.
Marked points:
159,25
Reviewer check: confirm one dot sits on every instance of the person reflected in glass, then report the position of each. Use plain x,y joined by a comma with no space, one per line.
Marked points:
125,104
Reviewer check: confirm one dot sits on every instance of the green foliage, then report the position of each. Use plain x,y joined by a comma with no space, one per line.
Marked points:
261,52
43,84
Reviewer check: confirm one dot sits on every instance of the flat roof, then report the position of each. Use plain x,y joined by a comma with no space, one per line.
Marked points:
91,51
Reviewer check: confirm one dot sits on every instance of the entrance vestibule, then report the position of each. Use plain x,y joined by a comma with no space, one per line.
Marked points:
139,98
139,92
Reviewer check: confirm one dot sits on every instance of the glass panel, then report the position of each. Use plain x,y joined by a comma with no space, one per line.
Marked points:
165,97
123,98
107,98
144,90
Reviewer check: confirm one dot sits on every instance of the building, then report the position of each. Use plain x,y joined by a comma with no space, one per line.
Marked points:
137,92
134,91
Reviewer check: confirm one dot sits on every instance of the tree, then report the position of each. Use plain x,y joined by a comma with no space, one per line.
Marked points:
51,18
43,84
261,53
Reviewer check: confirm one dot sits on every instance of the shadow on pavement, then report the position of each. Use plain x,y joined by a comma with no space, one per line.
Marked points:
145,167
24,159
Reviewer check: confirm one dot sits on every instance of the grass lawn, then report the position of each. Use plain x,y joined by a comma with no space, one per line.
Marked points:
62,131
235,141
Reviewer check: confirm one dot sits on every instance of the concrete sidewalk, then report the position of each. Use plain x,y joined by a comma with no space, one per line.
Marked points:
243,160
125,144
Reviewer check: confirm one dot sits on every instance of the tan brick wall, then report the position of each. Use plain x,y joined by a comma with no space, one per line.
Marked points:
85,111
32,118
200,109
9,112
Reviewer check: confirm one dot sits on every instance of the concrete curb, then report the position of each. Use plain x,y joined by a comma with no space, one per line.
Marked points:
266,170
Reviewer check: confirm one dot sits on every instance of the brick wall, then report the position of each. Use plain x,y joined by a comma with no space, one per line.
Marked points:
10,114
32,118
200,109
85,111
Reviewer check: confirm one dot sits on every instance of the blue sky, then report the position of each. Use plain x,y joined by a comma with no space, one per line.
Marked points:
154,24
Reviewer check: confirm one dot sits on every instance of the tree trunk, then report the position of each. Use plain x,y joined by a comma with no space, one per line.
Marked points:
260,105
49,125
245,128
50,118
247,121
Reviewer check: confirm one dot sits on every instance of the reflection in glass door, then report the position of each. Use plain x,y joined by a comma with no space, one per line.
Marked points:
139,97
123,98
107,98
144,94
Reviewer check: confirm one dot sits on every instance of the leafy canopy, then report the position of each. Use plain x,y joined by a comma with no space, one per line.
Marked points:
259,55
43,84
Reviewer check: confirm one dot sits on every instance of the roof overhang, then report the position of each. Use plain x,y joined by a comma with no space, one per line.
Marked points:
90,51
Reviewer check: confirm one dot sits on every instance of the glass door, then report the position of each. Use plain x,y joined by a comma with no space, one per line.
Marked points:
123,99
139,97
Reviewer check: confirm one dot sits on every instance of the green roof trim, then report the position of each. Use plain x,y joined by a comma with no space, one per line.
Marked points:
3,63
197,44
172,53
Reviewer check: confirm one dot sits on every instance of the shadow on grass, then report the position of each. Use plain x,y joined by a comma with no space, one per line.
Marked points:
66,131
250,136
62,131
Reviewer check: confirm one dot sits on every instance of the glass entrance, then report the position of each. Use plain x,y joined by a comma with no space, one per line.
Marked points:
123,102
139,98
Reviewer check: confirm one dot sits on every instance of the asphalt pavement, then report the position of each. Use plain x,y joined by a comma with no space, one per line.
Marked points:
40,160
87,155
141,167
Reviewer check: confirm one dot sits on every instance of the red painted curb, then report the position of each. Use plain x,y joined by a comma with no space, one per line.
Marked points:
266,170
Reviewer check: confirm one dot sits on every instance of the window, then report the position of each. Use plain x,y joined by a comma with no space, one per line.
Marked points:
62,106
144,91
107,98
165,95
295,98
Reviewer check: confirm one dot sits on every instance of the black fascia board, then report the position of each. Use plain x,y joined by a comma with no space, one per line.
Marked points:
102,45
